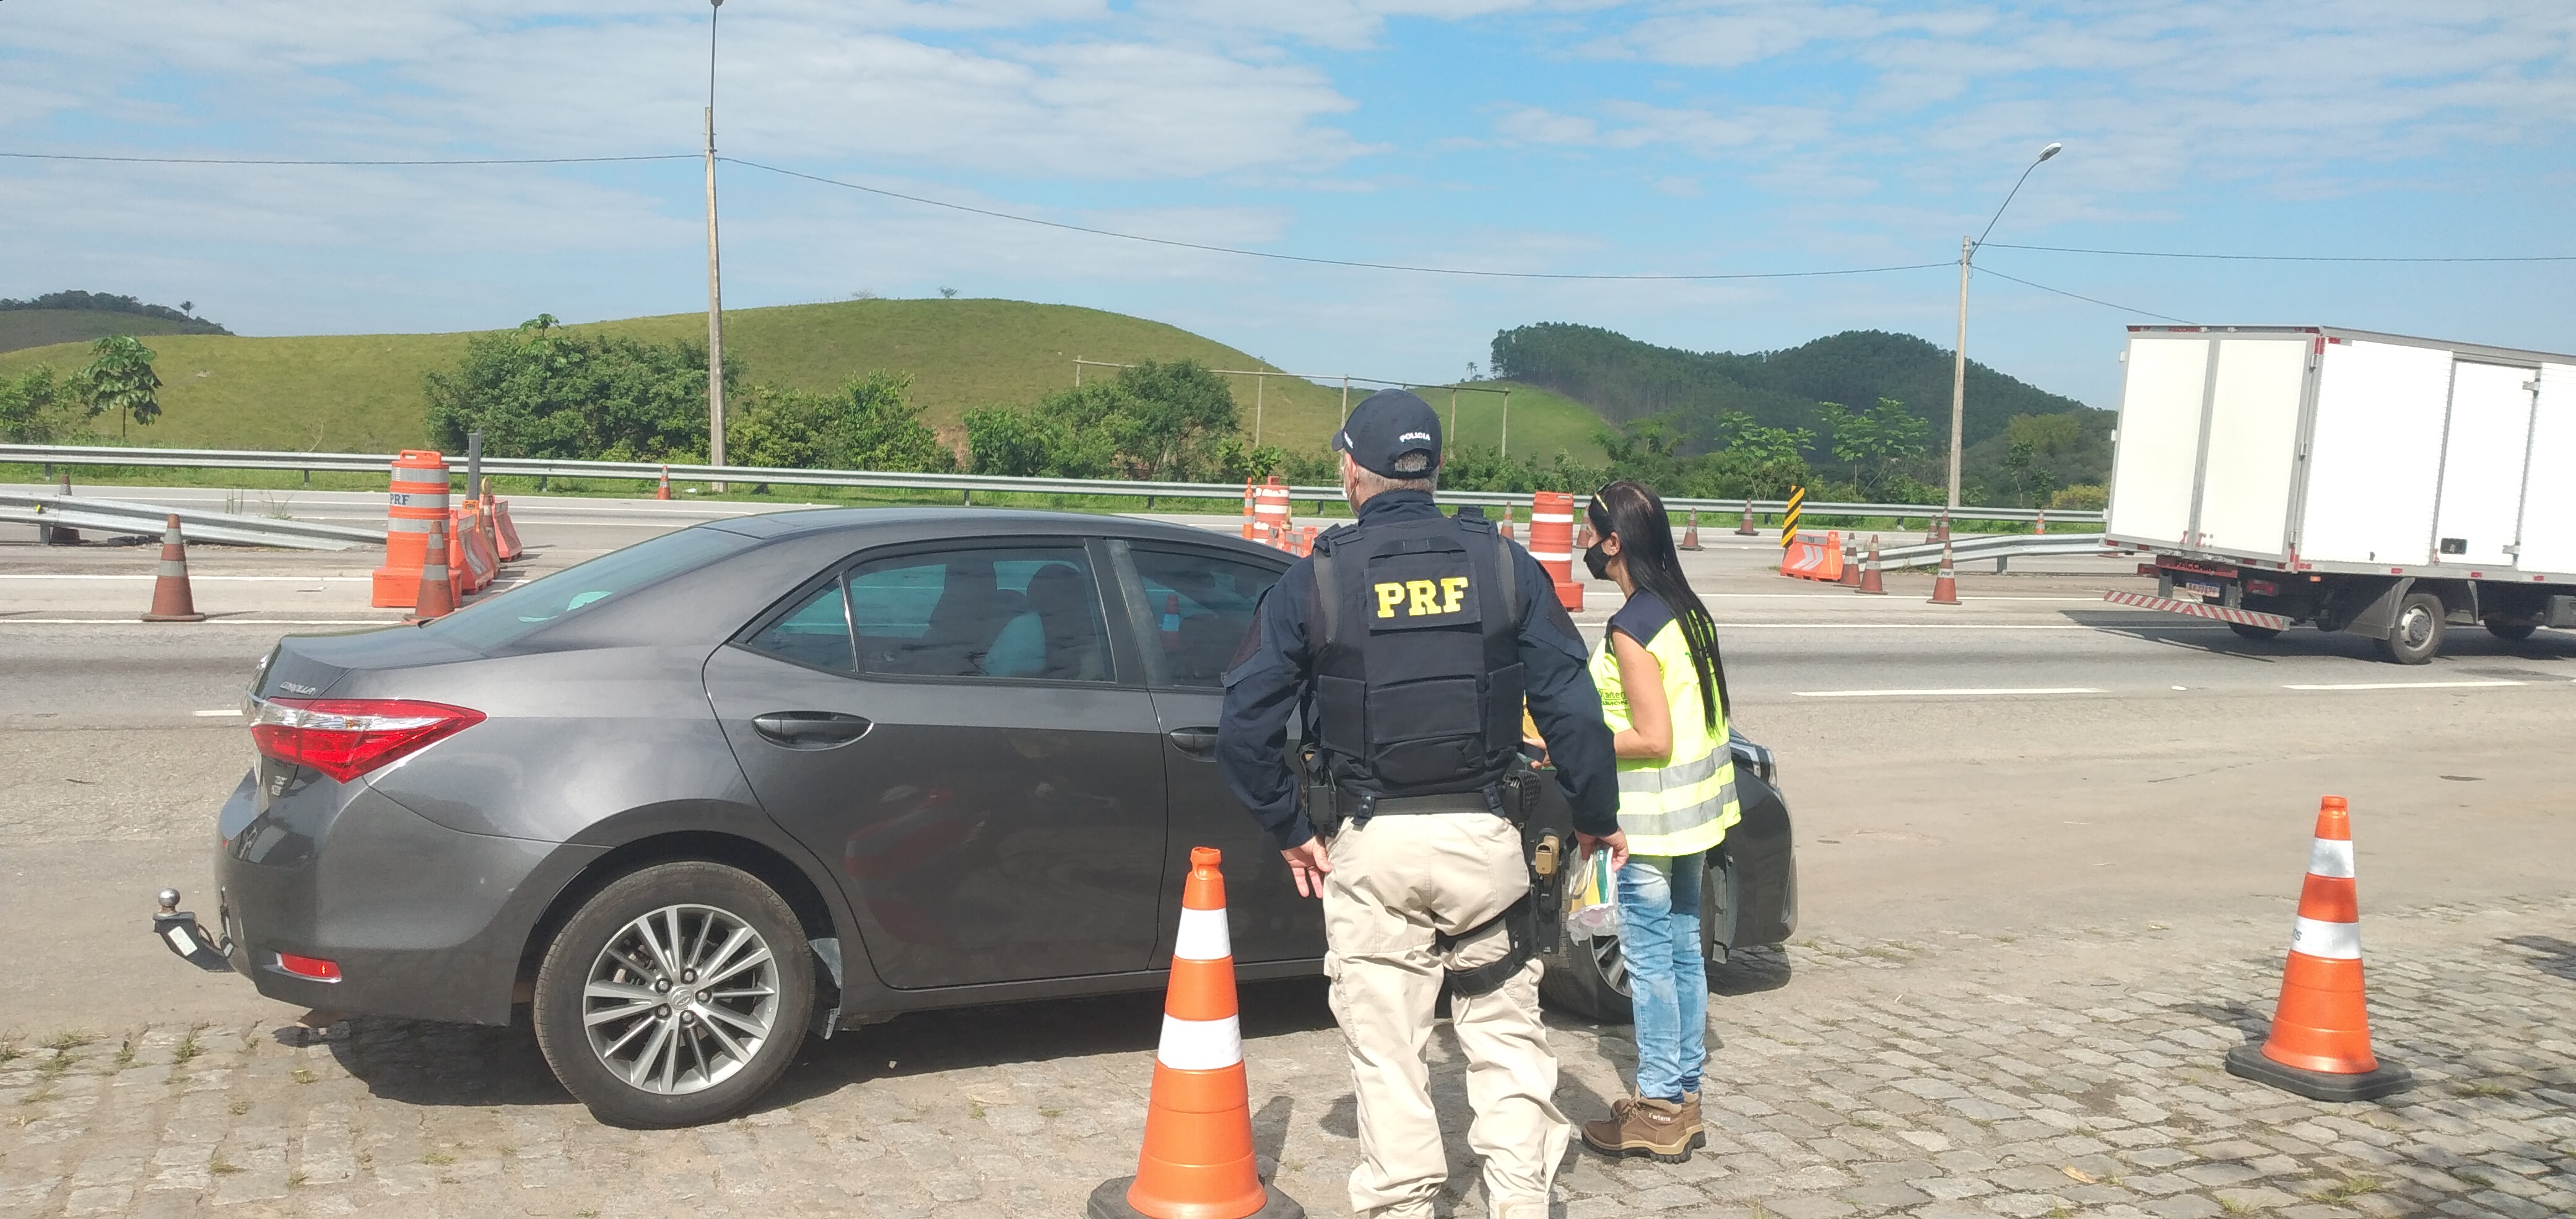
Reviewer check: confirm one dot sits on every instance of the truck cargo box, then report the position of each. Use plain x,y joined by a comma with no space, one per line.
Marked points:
2309,448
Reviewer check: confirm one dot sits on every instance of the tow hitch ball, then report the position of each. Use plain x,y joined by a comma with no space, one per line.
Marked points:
181,931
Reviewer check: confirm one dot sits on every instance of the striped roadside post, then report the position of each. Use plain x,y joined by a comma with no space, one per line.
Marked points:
1789,516
416,506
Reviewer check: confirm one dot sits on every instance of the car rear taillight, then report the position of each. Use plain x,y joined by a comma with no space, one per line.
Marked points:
347,737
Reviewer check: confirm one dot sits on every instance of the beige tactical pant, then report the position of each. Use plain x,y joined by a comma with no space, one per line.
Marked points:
1394,882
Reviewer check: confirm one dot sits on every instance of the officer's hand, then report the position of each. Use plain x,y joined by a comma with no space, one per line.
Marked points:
1308,864
1616,842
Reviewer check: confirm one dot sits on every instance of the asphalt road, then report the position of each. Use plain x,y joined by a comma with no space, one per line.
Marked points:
2033,759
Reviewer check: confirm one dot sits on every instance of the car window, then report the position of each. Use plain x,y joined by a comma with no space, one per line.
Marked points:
1197,607
543,602
1022,612
816,632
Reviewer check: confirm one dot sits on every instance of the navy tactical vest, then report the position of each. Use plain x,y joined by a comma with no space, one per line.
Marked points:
1418,685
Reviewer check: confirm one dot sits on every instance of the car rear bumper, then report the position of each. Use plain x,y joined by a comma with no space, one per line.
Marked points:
422,921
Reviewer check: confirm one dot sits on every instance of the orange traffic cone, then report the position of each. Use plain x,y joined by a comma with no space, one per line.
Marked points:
1851,563
1507,523
1198,1160
664,492
171,599
437,595
2042,526
1945,586
1746,529
2320,1042
1869,578
1583,536
1690,536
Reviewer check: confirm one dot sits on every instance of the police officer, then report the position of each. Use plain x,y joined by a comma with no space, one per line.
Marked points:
1410,641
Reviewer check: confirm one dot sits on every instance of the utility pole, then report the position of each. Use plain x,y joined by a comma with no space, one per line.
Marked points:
1259,384
1959,359
1346,397
1959,371
1507,421
715,274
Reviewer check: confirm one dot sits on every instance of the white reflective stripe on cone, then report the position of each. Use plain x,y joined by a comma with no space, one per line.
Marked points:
2333,941
1203,936
1552,518
2330,857
1552,556
1200,1045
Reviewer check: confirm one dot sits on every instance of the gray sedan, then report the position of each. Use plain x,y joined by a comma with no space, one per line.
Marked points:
680,806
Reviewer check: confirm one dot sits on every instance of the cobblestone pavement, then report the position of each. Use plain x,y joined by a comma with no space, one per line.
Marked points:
1956,1075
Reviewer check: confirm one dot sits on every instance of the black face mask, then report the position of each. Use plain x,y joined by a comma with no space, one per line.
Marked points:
1596,561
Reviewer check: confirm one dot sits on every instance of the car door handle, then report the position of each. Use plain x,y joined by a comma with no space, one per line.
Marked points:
1197,742
812,729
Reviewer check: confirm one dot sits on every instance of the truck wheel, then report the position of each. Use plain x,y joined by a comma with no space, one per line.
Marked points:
2417,633
675,996
2512,632
2248,630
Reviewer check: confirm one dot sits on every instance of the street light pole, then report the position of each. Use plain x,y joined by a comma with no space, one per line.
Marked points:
715,276
1959,357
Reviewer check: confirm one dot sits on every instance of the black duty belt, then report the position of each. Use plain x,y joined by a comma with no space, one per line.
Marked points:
1451,802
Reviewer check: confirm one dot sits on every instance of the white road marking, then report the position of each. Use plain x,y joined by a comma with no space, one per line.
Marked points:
207,622
217,713
2402,685
193,576
1943,626
1937,693
1848,598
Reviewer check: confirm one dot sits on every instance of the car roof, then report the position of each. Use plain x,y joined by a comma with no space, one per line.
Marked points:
898,524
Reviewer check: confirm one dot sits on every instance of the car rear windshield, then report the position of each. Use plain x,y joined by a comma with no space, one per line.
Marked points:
541,603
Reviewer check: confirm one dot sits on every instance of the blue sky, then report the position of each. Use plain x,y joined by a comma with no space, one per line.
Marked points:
1511,135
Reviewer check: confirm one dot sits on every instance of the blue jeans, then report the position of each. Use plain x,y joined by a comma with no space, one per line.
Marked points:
1659,937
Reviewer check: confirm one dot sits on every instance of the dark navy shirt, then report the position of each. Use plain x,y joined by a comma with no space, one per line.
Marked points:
1262,691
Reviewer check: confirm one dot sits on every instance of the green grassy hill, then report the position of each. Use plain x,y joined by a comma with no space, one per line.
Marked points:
24,328
362,393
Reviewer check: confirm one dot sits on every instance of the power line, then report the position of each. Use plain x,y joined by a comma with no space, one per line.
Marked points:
2054,249
1327,262
65,156
2081,297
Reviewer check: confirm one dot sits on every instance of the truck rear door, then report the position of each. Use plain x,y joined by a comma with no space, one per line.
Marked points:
2484,451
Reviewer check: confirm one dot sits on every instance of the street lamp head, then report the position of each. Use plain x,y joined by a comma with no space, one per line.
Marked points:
2044,153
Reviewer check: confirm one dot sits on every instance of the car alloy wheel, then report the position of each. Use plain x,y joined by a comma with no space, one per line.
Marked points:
675,995
680,999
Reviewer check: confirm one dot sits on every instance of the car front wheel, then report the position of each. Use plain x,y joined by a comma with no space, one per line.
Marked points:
675,996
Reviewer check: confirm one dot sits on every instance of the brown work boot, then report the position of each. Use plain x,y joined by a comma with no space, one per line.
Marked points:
1642,1126
1691,1118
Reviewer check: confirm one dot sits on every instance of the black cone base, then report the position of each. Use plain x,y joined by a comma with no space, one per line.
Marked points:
1110,1202
2247,1062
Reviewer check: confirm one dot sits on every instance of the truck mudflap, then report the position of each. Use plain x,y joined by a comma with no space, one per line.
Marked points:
2199,610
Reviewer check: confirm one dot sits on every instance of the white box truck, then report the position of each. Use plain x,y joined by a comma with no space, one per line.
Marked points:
2363,482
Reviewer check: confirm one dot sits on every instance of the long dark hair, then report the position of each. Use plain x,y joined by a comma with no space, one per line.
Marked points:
1634,512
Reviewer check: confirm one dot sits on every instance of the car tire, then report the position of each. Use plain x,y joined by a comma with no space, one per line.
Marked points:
1589,977
2415,636
2247,630
644,1064
2512,632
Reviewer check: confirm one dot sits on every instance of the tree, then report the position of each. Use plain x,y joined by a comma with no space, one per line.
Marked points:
2033,447
543,391
40,407
119,378
870,423
1165,421
1874,441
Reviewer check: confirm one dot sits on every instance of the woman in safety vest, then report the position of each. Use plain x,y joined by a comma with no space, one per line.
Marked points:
1663,692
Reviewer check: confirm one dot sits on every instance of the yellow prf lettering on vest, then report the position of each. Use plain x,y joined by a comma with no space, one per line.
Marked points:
1389,595
1426,598
1452,589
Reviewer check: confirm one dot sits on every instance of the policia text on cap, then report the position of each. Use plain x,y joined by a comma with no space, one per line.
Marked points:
1406,645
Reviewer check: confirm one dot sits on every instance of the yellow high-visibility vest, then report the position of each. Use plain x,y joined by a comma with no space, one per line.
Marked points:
1681,804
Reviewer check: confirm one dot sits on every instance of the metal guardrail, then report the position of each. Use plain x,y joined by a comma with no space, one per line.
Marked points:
966,485
1971,547
149,520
